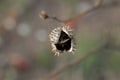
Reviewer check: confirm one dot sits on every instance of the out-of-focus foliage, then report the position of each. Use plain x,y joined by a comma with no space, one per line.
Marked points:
45,60
23,33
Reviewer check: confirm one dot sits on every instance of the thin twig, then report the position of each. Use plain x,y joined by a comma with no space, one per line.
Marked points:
60,69
74,19
43,15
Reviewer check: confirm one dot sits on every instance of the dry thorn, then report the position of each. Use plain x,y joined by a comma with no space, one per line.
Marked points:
43,15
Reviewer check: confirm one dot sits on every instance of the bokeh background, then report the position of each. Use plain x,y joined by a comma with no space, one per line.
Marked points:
25,52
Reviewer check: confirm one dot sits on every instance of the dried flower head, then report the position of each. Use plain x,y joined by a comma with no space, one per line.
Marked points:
62,40
43,15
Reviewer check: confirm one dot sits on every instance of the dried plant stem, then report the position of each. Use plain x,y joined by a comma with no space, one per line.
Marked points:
43,15
74,19
75,61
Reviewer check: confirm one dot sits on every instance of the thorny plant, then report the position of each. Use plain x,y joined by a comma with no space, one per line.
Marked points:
63,39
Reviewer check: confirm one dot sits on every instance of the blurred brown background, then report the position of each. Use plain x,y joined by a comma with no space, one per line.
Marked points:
25,52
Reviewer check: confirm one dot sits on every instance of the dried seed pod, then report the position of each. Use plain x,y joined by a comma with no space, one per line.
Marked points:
62,40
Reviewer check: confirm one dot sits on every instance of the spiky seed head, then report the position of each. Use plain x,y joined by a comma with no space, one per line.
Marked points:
62,40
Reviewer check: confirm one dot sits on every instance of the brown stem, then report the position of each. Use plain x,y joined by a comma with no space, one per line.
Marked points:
74,19
43,15
57,71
